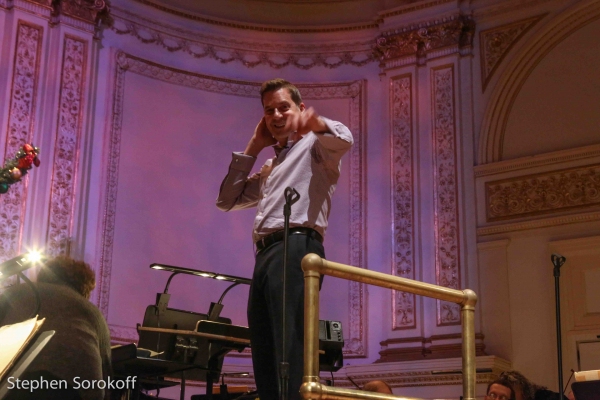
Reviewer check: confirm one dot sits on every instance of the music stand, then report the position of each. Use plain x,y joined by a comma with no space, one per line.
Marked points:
197,353
25,360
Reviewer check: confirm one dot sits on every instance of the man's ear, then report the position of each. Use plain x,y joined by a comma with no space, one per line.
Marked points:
302,107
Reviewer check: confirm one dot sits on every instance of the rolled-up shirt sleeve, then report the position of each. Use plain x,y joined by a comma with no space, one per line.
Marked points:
238,189
337,141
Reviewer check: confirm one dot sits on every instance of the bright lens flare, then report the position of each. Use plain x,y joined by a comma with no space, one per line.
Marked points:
33,257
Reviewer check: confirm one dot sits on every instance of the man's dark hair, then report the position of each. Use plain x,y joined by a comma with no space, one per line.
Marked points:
504,382
376,386
278,83
519,382
76,274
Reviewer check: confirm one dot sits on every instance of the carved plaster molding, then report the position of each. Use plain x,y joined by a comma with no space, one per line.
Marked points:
403,262
7,4
539,223
257,27
85,10
425,41
431,372
545,193
555,157
496,43
434,347
83,14
447,263
41,9
413,8
21,124
66,151
250,54
506,7
356,342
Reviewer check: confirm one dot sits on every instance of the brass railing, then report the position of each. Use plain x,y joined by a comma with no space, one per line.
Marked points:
314,266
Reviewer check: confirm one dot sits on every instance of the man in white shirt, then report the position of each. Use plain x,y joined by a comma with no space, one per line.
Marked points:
308,151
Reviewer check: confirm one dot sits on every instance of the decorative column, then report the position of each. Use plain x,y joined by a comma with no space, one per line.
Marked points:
421,63
48,92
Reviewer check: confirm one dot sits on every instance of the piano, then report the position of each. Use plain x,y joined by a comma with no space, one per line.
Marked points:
189,346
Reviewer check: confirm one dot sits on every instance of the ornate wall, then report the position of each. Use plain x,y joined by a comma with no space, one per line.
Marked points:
457,177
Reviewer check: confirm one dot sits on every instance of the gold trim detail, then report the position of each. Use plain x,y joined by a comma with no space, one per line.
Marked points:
403,304
456,30
251,54
66,153
21,125
545,193
447,260
496,43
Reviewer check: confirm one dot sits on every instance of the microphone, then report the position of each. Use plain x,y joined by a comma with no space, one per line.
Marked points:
557,261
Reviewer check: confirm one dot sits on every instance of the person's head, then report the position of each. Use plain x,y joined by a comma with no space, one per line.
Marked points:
500,389
282,106
278,83
75,274
523,387
377,387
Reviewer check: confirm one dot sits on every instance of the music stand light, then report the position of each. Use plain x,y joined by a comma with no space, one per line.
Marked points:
162,299
18,264
205,274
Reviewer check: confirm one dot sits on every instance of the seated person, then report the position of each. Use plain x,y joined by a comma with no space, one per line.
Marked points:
500,389
79,351
527,390
377,387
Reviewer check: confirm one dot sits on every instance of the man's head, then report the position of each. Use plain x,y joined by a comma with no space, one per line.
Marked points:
76,274
377,387
282,106
523,387
500,389
278,83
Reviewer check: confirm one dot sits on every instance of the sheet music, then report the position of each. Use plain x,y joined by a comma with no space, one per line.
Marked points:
14,339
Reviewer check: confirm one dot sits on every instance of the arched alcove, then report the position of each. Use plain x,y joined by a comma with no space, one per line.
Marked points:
544,99
557,107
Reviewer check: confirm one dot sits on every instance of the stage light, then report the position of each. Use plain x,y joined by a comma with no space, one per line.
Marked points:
19,263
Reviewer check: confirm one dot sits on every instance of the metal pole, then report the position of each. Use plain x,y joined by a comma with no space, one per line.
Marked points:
558,261
291,196
468,345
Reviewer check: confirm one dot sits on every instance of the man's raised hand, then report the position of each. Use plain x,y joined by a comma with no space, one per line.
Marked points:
260,139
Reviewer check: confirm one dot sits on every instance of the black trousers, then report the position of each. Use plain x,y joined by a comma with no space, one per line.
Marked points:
265,315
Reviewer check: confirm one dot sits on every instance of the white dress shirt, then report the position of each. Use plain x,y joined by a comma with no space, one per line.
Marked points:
310,165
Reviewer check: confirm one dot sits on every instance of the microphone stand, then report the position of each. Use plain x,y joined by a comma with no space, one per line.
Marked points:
291,196
558,262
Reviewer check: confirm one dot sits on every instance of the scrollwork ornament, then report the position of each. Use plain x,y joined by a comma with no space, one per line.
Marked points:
418,41
226,50
543,194
445,191
403,218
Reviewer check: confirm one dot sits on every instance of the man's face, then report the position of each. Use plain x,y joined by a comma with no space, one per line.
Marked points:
498,392
280,114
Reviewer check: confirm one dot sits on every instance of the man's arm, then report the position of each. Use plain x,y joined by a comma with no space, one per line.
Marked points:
238,189
333,135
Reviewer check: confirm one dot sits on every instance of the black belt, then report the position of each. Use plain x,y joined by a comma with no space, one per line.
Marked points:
275,237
